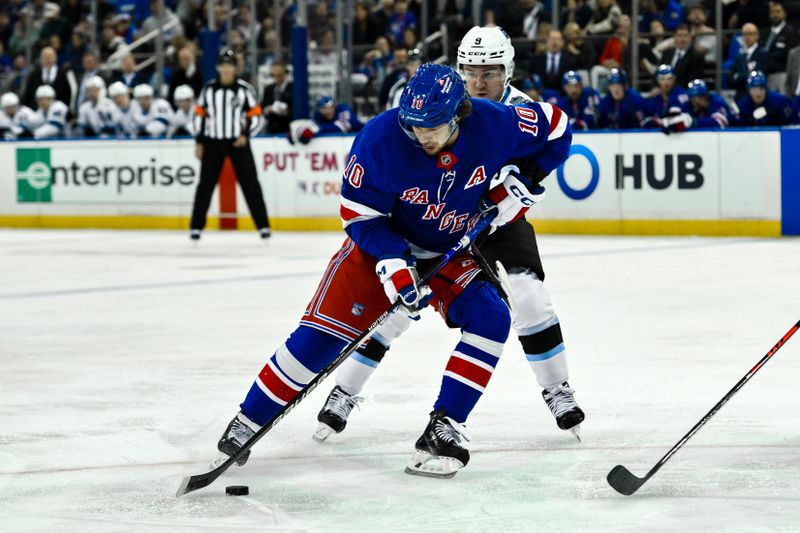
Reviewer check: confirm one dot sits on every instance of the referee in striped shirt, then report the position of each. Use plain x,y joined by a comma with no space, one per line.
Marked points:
227,114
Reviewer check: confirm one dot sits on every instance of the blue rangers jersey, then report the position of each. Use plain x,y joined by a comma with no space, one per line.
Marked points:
621,115
656,107
583,113
344,120
716,117
776,110
397,200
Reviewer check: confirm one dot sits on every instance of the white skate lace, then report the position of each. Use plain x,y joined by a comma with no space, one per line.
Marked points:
340,403
560,399
448,430
240,432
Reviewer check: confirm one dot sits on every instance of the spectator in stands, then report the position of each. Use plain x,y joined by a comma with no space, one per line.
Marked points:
6,28
410,40
749,12
553,64
623,107
151,22
615,51
98,116
383,15
377,62
51,114
396,71
704,38
151,116
21,37
671,99
269,55
73,55
110,42
533,13
365,26
16,121
277,100
605,19
50,74
182,124
129,76
53,24
5,60
779,38
577,11
580,103
91,69
319,22
581,53
124,27
670,12
15,79
401,19
534,87
412,64
752,57
120,94
325,52
187,72
686,63
761,106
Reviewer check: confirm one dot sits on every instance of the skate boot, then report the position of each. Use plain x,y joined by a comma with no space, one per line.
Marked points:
561,401
333,416
438,451
194,235
240,430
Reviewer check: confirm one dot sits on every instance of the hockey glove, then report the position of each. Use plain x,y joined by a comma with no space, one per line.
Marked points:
400,279
513,196
678,123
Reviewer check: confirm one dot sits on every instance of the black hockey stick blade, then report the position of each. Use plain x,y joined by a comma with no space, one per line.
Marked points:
623,481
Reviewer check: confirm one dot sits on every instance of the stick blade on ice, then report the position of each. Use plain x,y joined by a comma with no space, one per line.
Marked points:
623,481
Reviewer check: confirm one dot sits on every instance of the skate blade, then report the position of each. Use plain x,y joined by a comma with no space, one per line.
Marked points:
426,465
322,433
576,431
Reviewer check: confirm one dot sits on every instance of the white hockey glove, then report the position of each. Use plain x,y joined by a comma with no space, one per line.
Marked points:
512,196
400,280
677,123
302,131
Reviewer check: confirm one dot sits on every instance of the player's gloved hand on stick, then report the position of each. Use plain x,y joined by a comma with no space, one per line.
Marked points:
677,123
400,280
513,196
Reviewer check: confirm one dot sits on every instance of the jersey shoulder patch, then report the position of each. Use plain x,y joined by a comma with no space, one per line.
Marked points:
516,100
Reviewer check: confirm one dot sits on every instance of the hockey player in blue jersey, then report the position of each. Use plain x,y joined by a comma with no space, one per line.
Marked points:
761,106
709,111
486,62
670,101
335,118
413,186
534,87
580,103
623,107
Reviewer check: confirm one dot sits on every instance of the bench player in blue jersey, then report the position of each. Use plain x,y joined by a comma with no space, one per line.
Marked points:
708,111
413,186
671,99
486,62
623,107
761,106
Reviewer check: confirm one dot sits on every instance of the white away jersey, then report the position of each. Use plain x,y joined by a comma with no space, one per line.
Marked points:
101,119
154,122
52,122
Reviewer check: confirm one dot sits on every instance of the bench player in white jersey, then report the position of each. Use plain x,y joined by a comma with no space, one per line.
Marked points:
51,114
118,92
16,121
486,62
98,116
151,115
183,120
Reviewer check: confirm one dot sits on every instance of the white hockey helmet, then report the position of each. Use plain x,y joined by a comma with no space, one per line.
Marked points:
96,82
487,46
9,100
45,91
183,92
143,91
117,89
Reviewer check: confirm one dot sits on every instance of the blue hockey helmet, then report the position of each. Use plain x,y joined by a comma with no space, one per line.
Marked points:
534,81
571,78
617,76
432,97
756,79
697,88
324,100
664,71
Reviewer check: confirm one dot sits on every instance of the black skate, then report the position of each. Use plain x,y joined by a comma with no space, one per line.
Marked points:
239,431
439,453
333,416
561,401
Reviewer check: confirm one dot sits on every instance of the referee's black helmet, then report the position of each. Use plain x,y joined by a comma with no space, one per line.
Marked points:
226,57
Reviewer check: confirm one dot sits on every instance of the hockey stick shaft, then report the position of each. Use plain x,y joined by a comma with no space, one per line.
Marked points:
637,482
199,481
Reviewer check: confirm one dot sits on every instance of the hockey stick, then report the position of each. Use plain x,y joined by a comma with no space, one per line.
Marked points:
624,482
192,483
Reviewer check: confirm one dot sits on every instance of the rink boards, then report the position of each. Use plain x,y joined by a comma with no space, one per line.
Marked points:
737,182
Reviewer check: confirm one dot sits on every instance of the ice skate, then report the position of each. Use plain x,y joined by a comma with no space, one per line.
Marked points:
240,430
333,416
561,401
438,451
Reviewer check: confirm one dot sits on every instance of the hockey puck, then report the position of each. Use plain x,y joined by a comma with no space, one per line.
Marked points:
237,490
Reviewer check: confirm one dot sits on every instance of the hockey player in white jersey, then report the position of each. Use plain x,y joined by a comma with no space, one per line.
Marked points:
98,116
151,115
16,121
183,120
118,92
52,114
486,62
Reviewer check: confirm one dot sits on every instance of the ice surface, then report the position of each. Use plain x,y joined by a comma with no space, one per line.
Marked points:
124,354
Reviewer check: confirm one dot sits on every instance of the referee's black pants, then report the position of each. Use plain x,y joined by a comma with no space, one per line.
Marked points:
214,154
